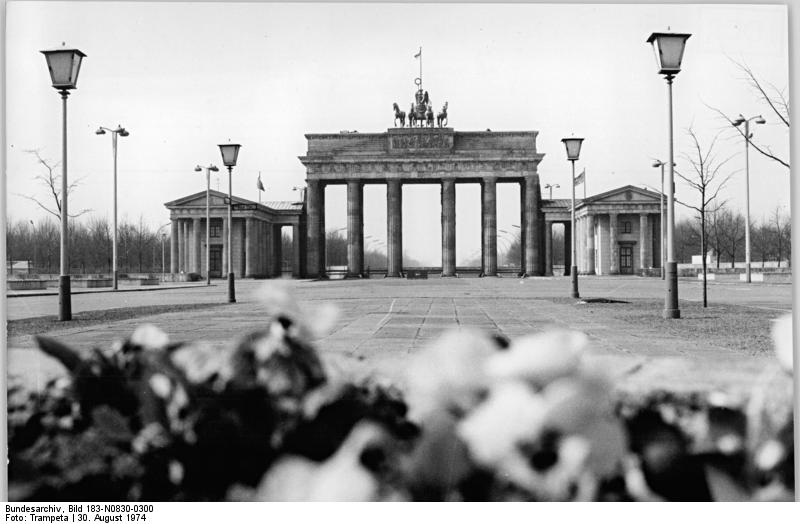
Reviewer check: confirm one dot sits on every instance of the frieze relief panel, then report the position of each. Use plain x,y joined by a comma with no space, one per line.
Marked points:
424,141
376,169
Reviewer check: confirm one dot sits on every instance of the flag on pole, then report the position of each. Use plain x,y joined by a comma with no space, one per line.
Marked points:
580,178
259,184
418,54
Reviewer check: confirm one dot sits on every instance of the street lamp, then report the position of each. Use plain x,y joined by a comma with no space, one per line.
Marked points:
747,136
550,187
119,131
230,153
208,169
64,65
573,146
659,163
668,48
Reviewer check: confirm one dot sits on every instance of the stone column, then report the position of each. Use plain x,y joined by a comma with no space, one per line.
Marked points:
296,250
532,203
590,244
522,228
315,246
548,248
250,269
355,228
394,226
613,246
197,246
448,227
225,247
567,248
277,251
578,247
181,246
240,253
174,242
301,247
645,249
266,249
188,248
489,223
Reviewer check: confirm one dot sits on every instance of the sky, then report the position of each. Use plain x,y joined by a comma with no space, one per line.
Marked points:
184,77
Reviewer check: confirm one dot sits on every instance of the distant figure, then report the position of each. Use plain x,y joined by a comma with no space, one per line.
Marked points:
425,98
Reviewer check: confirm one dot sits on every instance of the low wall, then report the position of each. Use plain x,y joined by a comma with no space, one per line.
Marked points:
25,285
138,281
775,278
90,282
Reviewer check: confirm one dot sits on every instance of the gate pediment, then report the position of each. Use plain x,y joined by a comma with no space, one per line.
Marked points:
625,195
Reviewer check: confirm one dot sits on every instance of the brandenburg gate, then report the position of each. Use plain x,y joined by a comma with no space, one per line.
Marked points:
423,155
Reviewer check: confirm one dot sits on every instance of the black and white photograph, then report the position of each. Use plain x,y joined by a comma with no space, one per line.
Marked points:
396,252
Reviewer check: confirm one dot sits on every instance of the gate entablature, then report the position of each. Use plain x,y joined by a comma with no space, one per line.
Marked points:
421,155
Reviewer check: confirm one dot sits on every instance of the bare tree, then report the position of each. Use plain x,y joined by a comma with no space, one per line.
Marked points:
773,97
52,181
731,229
335,249
707,179
760,235
715,232
782,234
687,240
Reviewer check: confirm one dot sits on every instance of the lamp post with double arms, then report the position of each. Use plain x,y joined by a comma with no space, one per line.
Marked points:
208,169
747,136
64,65
119,131
230,152
668,48
573,146
550,187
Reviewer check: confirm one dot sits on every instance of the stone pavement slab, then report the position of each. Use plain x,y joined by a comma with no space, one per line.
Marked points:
383,323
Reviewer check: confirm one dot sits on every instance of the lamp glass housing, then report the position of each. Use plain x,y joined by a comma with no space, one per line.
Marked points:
229,153
573,146
668,48
64,65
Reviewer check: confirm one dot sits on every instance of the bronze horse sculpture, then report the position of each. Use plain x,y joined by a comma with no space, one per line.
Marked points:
399,115
441,118
429,117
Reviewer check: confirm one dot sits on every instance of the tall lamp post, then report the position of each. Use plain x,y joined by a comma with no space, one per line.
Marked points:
659,163
668,49
550,187
64,65
119,131
208,169
230,153
573,146
747,136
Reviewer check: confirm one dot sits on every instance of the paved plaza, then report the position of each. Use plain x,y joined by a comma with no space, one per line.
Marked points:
384,322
